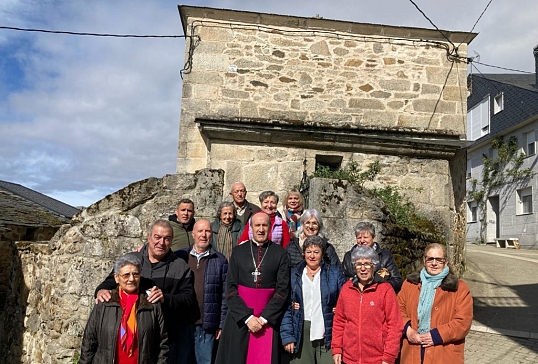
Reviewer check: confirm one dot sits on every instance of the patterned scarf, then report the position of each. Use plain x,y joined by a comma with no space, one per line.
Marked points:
427,295
293,216
128,333
224,240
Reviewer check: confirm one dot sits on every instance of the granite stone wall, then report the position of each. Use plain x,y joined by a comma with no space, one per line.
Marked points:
249,76
46,288
49,286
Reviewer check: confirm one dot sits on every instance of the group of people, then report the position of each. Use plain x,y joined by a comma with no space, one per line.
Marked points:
264,285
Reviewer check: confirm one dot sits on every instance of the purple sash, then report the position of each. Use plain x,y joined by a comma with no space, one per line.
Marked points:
260,344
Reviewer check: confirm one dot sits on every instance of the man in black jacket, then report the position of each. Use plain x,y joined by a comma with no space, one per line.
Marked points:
167,279
387,270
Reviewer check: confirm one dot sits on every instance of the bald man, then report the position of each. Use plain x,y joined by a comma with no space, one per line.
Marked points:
209,268
245,209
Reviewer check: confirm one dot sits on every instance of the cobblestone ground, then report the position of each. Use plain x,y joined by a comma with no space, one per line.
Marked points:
488,348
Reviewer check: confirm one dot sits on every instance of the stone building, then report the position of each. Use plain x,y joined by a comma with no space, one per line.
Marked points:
267,97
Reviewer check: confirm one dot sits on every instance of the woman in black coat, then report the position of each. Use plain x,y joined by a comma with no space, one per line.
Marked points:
128,328
311,225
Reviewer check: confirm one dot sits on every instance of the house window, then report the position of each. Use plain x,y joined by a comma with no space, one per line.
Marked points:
472,215
498,103
469,168
524,201
332,162
478,120
530,143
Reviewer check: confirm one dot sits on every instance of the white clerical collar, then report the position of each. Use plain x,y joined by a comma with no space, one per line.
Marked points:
259,244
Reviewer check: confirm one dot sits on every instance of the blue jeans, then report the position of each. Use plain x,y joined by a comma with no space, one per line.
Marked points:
203,345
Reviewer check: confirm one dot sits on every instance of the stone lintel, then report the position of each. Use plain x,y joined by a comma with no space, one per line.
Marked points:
312,24
365,140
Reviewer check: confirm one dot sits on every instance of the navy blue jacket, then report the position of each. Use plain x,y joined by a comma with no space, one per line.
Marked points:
215,307
331,281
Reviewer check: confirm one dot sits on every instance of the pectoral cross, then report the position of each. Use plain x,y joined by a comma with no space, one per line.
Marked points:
256,273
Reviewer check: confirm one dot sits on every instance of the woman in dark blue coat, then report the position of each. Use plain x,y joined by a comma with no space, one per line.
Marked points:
307,324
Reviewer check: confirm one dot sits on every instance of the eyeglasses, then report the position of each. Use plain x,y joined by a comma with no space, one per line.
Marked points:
434,259
365,265
313,223
126,276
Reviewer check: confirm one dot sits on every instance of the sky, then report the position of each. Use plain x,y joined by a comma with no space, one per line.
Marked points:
82,117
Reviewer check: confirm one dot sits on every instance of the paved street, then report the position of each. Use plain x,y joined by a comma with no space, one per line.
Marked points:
504,284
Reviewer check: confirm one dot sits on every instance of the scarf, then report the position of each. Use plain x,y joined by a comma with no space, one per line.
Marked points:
293,216
224,240
128,333
427,295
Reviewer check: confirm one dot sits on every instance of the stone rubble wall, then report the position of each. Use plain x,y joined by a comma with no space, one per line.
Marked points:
49,286
243,72
52,285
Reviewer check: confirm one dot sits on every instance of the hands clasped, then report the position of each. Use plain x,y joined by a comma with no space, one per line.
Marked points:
255,324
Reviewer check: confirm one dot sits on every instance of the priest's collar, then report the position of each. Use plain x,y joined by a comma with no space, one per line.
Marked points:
260,244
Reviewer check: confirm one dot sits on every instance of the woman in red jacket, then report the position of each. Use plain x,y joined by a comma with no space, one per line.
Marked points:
367,323
437,312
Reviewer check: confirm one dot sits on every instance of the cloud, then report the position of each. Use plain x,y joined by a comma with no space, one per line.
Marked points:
97,113
81,117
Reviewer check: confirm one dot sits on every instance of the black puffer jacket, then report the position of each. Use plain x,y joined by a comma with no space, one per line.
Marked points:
386,260
101,333
296,253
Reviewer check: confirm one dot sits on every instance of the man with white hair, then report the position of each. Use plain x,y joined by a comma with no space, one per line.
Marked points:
245,209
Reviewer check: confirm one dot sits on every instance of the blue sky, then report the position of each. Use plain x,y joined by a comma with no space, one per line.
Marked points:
81,117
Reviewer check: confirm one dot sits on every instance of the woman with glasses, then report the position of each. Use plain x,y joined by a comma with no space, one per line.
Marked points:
367,323
437,312
127,329
311,224
306,328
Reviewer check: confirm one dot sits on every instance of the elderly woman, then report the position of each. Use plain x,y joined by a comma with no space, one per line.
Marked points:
278,229
292,209
311,225
127,329
386,268
306,328
226,229
367,324
437,312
